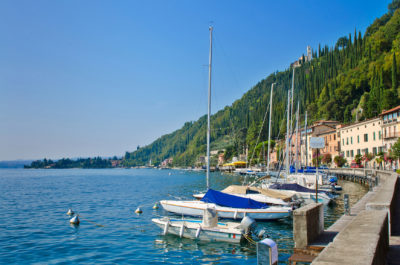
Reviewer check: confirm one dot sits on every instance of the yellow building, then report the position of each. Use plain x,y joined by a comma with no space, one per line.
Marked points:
361,138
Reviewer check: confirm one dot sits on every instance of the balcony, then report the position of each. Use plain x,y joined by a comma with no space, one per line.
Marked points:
391,135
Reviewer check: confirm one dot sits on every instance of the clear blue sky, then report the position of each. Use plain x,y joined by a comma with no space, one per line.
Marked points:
89,78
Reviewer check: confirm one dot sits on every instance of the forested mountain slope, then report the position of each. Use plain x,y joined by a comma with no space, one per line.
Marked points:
359,74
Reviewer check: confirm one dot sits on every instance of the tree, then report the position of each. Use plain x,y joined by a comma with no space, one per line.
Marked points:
389,99
327,159
314,160
394,72
340,161
358,159
366,158
395,4
379,160
395,151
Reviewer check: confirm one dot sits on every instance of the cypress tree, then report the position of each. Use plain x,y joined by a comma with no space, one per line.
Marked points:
394,72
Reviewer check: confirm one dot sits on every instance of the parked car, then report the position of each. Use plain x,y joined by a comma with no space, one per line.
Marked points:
355,165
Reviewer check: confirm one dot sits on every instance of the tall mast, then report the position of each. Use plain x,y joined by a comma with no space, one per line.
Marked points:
269,126
297,137
209,110
287,136
305,141
292,107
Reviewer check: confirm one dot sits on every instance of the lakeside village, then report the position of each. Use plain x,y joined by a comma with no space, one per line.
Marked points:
369,143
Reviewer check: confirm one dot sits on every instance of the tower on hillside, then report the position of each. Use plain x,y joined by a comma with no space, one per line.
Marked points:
309,53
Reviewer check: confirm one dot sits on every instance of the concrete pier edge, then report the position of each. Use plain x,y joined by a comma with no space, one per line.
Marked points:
362,237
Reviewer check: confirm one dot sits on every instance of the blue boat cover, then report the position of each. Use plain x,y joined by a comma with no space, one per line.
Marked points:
228,200
291,186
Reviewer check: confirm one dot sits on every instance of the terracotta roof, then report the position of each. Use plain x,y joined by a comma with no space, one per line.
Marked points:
327,132
389,111
355,123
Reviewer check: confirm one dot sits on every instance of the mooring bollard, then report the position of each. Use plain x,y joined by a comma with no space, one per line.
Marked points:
346,203
267,252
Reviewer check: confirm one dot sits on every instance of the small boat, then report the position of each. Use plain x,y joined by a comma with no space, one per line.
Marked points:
209,229
270,197
227,206
307,194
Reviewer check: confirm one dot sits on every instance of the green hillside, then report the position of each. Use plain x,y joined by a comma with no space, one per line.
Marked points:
360,74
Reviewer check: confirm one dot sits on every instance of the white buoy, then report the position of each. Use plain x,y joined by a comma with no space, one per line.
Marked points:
74,220
138,211
70,212
155,207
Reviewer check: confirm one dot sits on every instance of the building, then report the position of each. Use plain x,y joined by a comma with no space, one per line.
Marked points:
331,142
361,138
321,128
390,120
303,58
221,158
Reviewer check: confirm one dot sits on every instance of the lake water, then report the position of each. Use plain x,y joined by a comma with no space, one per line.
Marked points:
35,229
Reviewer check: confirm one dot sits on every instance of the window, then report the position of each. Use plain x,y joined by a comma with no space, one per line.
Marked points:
334,137
395,115
343,141
366,137
351,153
351,139
390,116
374,136
358,152
380,135
347,140
374,151
347,153
385,118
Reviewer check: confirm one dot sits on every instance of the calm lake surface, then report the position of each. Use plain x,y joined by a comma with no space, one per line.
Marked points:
35,229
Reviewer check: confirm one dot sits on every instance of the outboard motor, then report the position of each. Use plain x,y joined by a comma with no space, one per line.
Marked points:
247,225
250,229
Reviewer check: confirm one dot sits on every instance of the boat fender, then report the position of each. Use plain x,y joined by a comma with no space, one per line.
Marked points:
182,230
138,211
155,207
70,212
166,228
198,232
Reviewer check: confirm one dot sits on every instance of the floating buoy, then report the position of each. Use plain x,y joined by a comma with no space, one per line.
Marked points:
169,174
138,210
70,212
74,220
155,207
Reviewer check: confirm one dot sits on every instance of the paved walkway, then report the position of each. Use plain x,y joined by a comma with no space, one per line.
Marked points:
394,240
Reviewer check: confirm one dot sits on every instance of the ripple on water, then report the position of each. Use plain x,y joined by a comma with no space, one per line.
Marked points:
35,228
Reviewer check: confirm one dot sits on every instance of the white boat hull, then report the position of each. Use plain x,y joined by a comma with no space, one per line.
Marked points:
196,208
194,230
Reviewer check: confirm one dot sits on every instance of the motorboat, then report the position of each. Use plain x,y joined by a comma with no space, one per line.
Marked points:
308,195
228,206
210,229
